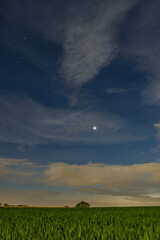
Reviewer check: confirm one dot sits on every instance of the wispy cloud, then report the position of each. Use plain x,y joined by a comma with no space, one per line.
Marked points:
91,38
157,126
128,192
87,31
24,121
19,170
143,45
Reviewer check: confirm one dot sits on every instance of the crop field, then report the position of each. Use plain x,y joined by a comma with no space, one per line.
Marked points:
72,223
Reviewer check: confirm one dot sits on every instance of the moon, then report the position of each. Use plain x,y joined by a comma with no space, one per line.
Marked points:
94,128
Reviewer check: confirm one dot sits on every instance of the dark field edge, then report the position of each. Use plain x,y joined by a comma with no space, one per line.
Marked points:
124,207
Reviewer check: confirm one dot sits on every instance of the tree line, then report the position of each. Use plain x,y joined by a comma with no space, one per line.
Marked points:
81,204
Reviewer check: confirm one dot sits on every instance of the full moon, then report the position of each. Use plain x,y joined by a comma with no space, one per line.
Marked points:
94,128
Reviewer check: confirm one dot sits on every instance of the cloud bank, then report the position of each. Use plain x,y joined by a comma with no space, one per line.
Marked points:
113,176
100,184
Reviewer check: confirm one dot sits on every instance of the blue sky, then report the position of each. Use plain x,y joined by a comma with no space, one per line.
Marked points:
65,68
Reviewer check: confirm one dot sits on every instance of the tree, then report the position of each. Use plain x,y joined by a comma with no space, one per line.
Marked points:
82,204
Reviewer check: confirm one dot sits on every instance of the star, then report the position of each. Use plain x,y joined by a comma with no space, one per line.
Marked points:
94,128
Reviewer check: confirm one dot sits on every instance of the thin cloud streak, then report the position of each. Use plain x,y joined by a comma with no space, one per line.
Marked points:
119,90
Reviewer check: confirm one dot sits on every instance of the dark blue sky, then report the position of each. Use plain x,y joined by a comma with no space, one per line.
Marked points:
68,67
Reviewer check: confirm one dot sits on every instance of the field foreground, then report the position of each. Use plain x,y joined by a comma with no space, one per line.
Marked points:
87,224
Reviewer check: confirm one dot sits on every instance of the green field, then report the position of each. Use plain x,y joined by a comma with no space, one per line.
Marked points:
93,223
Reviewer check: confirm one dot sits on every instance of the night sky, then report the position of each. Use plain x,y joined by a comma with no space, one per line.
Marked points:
80,102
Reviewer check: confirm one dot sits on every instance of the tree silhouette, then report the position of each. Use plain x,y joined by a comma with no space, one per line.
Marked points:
82,204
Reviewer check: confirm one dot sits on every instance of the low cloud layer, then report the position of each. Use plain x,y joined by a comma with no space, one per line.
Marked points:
29,197
45,198
113,176
100,184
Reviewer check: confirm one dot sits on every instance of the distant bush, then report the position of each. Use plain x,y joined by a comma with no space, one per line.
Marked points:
6,204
